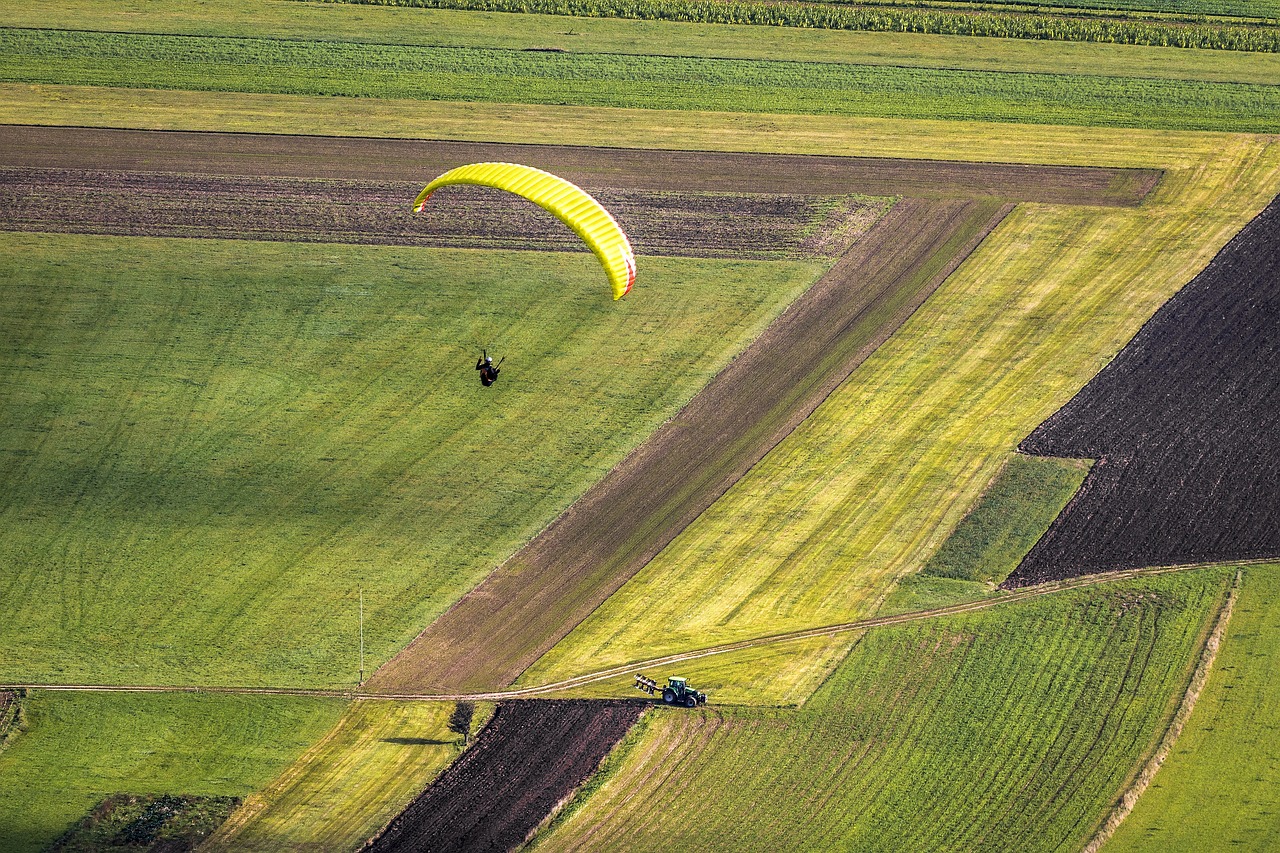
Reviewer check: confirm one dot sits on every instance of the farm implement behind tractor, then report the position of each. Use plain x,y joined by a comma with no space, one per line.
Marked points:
677,691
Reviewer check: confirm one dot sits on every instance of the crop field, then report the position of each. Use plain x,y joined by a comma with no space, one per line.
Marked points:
1185,424
262,458
1220,786
76,749
329,211
275,66
1013,728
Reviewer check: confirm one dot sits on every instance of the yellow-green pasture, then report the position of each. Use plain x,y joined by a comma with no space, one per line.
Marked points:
1219,786
350,784
868,487
447,28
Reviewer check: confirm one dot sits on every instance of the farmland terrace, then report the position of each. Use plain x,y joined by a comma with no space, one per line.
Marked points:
1185,423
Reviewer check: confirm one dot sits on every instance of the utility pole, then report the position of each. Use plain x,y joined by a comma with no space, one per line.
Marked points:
362,636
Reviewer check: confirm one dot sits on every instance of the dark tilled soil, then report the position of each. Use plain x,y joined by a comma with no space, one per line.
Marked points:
295,209
526,606
417,161
528,758
1186,425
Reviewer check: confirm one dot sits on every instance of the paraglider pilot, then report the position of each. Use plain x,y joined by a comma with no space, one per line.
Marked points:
488,370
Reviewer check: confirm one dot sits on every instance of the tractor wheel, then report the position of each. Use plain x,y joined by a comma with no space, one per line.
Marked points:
690,701
669,696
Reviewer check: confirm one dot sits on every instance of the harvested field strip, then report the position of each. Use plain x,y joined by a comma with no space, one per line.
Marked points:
163,204
866,489
205,440
448,28
1186,425
350,784
1219,786
283,66
526,761
595,168
78,747
537,596
1013,728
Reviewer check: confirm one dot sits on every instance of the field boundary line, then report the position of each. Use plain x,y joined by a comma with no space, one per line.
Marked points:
1208,655
535,691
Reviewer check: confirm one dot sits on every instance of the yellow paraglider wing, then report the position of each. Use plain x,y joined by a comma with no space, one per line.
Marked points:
573,206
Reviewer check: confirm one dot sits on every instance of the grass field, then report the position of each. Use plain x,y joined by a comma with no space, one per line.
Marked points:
1013,728
1219,787
279,66
349,785
211,446
1016,509
866,489
78,748
444,28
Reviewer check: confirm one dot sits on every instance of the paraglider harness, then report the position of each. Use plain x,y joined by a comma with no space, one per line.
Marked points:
488,370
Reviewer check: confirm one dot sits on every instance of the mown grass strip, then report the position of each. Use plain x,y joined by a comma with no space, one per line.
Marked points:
76,748
887,19
254,65
1013,728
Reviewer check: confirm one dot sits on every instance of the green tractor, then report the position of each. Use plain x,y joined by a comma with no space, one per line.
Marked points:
677,691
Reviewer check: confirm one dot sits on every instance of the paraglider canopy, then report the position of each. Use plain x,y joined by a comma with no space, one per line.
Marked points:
572,205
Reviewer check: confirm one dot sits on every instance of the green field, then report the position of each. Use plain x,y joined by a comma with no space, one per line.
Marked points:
1009,729
211,446
1015,510
1219,787
279,66
78,748
447,28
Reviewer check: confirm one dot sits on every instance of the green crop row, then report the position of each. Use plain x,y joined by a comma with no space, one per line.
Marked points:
886,19
287,66
1010,729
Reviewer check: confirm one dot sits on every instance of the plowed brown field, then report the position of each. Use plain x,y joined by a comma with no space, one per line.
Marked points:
1186,425
530,756
322,210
